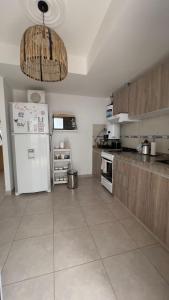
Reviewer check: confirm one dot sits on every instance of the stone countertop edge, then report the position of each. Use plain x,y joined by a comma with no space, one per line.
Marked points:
145,162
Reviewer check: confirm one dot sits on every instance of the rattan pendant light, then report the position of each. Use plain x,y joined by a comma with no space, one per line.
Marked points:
43,54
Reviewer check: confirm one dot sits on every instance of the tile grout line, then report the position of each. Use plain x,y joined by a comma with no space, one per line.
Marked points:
27,279
12,242
108,279
161,275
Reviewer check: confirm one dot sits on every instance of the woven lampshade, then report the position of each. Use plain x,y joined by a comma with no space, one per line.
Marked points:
43,54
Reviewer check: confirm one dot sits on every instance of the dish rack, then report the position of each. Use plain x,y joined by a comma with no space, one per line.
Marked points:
61,163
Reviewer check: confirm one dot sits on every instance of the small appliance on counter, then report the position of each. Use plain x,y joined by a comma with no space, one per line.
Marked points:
144,148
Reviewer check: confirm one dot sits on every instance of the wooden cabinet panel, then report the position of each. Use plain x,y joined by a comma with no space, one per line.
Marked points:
154,80
138,193
146,195
96,164
159,196
120,101
123,100
116,104
143,94
121,177
132,99
164,101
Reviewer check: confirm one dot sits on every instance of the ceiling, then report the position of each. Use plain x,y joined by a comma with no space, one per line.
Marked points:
109,42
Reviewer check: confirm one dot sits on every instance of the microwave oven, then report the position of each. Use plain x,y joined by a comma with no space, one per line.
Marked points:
64,122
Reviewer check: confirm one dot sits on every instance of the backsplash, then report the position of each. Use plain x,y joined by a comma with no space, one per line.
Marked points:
153,128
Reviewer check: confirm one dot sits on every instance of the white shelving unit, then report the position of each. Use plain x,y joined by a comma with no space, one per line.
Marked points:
61,163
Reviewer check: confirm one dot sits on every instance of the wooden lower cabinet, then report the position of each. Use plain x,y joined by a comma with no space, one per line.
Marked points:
159,195
146,195
120,177
96,164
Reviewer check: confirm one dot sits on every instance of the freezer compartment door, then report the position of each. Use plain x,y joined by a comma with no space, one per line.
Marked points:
31,163
29,118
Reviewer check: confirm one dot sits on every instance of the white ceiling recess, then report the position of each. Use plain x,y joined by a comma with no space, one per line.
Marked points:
108,42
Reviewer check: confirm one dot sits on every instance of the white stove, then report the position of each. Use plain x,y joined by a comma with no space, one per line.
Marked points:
107,170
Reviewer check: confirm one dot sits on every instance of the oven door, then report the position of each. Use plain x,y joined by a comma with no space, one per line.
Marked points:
106,171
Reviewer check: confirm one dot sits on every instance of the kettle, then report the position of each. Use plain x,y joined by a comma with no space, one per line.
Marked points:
146,147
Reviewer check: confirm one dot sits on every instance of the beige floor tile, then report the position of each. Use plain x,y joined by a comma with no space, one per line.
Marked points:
12,207
35,225
119,210
98,213
91,199
65,200
8,229
68,218
4,250
159,257
41,288
87,282
73,248
138,233
134,278
111,238
28,258
40,204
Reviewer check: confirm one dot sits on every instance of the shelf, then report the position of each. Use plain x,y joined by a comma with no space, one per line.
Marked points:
60,171
61,150
61,160
60,182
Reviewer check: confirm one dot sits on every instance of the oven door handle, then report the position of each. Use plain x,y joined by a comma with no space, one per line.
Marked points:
107,160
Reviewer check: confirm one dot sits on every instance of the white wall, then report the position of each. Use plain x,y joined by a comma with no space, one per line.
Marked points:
5,98
88,111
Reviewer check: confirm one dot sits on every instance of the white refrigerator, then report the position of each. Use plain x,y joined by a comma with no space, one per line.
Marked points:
30,147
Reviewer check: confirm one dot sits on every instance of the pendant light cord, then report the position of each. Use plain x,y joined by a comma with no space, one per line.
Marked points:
43,18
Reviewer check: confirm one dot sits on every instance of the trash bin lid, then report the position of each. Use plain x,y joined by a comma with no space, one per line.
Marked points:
72,172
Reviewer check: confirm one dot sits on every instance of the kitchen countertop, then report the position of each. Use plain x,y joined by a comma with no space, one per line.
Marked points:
146,162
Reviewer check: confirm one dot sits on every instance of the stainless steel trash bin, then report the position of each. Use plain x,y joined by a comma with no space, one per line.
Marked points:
72,179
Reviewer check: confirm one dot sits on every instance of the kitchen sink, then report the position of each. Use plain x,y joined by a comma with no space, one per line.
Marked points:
164,161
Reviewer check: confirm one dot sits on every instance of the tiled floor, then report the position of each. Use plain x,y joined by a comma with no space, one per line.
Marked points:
81,244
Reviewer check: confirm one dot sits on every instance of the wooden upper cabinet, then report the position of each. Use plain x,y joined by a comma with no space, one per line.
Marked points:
132,100
116,104
120,101
154,82
164,100
148,93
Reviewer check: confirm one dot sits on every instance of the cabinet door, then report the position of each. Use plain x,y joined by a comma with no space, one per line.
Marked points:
120,177
154,99
160,197
132,99
143,94
164,103
139,202
116,104
120,101
96,164
123,100
99,161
